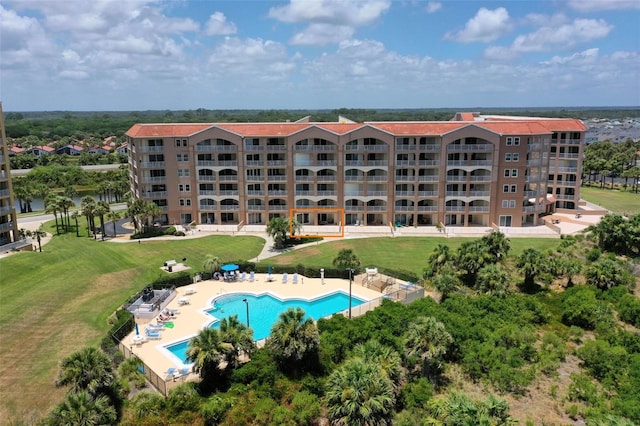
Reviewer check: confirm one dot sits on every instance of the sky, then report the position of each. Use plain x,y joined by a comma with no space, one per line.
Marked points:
133,55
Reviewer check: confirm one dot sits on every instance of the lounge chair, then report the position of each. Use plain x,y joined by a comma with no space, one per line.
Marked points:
243,276
188,291
284,278
152,334
155,326
295,279
252,276
184,301
172,311
184,371
170,373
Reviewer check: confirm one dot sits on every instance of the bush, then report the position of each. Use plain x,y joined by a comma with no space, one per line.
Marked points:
594,255
578,307
170,230
629,309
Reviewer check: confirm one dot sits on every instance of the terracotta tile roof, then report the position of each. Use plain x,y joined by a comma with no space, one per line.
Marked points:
504,127
165,130
16,149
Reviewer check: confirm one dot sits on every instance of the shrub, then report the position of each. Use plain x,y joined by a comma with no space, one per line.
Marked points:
578,307
594,255
170,230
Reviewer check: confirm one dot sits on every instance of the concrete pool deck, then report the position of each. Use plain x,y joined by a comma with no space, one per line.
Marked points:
192,317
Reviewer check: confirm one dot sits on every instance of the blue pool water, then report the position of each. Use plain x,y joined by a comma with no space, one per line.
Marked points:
264,311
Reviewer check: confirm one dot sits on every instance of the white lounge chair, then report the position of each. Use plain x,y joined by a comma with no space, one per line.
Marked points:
252,276
188,291
170,373
294,280
184,301
284,278
243,276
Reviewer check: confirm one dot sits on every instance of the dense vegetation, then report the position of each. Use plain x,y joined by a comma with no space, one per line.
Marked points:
605,159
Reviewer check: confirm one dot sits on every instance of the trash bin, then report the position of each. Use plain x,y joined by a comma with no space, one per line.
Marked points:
170,268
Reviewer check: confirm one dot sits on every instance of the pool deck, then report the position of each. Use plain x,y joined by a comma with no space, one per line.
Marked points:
192,317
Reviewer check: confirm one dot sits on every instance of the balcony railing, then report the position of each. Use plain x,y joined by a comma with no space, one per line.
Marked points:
229,207
456,193
254,163
354,208
277,178
428,162
427,208
148,179
254,207
278,208
429,147
254,178
303,178
376,208
229,163
480,178
206,178
405,178
568,155
377,178
254,148
404,193
327,193
404,208
152,148
366,148
565,169
471,147
454,208
156,194
207,192
272,163
479,193
529,209
153,164
427,193
230,192
228,177
326,178
326,163
208,207
254,193
568,141
352,178
428,178
315,148
376,193
205,163
479,209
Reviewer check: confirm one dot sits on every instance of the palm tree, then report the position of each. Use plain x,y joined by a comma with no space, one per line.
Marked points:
53,206
84,409
531,263
113,216
497,244
212,264
293,338
239,336
153,210
386,358
346,259
87,370
446,282
570,268
606,273
207,351
440,257
102,209
428,339
277,228
470,258
494,280
75,215
88,206
136,209
358,393
39,234
65,203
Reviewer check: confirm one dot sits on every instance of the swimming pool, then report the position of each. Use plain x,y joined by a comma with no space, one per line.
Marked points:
264,310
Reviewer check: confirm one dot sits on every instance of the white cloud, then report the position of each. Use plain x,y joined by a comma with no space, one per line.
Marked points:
597,5
218,25
547,38
586,56
487,25
330,21
322,34
337,12
433,6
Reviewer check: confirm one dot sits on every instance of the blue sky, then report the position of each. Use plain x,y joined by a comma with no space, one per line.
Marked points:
317,54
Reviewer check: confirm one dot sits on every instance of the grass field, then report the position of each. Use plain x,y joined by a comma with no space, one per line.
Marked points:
403,253
58,301
623,202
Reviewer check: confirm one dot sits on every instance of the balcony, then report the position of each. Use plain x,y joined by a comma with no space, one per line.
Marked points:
274,192
207,207
205,163
479,147
230,163
404,208
276,178
206,178
565,197
405,163
229,207
6,226
529,209
376,208
255,193
354,208
567,183
254,207
201,192
427,193
276,147
534,162
454,208
254,178
456,193
457,178
405,147
479,193
232,192
228,177
327,193
532,178
326,163
351,178
404,193
6,210
156,194
481,162
428,162
427,208
272,163
278,208
152,148
568,141
4,193
429,147
153,164
304,178
254,148
428,178
305,193
565,169
326,178
376,193
354,193
254,163
315,148
155,179
377,163
568,155
405,178
479,209
366,148
376,178
354,163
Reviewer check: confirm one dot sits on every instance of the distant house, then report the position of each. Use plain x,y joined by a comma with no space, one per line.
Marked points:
15,150
123,149
39,151
70,150
100,150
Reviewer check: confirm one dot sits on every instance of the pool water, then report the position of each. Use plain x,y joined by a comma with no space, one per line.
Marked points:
264,311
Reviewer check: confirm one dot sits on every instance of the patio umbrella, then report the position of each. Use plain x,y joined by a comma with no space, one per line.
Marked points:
269,270
230,267
137,331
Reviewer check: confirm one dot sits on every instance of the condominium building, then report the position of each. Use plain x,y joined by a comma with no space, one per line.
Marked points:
8,221
474,170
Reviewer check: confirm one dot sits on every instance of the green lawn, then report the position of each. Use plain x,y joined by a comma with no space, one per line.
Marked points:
616,200
403,253
58,301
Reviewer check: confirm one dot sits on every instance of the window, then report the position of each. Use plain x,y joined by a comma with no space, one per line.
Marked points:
184,188
514,172
183,172
507,172
185,142
505,188
514,188
512,204
184,202
183,157
505,204
181,142
509,141
515,156
505,220
516,141
507,156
